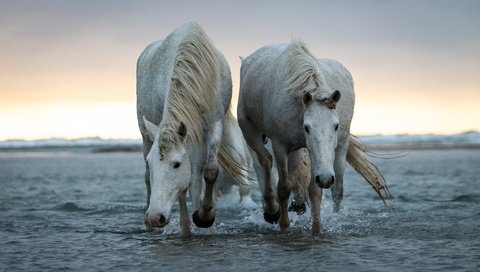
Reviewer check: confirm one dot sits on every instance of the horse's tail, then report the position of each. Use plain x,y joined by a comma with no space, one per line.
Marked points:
232,166
356,158
300,174
233,154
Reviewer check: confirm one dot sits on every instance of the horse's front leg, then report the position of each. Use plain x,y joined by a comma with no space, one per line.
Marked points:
205,216
339,167
315,194
149,192
147,144
184,217
284,188
197,162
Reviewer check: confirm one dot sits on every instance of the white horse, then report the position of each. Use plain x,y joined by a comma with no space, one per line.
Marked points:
297,101
184,89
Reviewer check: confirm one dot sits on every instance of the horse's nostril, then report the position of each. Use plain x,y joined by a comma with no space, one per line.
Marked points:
325,181
162,219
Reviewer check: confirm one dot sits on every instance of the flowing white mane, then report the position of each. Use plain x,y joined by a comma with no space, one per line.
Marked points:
193,88
303,74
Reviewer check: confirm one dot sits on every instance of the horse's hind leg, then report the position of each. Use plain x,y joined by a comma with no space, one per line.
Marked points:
255,140
244,191
339,167
205,216
299,175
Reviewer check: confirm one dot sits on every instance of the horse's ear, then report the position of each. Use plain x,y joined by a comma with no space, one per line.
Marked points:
335,97
152,129
182,131
307,98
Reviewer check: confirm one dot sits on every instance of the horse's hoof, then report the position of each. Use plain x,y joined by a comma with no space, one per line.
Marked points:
299,208
200,223
272,218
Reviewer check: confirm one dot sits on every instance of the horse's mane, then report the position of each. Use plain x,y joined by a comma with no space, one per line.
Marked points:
302,72
194,86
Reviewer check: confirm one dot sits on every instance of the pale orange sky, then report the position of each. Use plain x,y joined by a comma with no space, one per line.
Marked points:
67,68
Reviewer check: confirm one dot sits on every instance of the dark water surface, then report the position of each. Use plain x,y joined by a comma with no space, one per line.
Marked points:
81,211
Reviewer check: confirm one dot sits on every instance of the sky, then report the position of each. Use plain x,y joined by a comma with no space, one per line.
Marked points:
67,68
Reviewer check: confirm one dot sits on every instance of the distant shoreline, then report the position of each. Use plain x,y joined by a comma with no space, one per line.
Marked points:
467,140
423,146
76,149
139,148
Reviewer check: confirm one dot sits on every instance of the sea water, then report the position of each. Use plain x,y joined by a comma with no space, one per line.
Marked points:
80,211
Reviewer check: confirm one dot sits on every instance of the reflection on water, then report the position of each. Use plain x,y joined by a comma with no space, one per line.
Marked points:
80,211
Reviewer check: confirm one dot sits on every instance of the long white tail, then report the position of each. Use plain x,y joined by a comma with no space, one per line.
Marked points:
356,158
233,152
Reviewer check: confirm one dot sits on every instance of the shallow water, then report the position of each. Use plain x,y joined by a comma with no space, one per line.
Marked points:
82,211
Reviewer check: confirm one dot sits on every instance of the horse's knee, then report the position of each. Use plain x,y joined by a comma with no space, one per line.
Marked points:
210,173
266,161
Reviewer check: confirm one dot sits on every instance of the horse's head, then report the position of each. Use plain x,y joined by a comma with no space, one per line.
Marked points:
320,123
169,169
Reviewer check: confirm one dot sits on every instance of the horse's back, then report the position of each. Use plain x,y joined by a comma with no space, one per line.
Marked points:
259,80
263,56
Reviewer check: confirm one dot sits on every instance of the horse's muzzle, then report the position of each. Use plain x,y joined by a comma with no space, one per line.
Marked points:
325,181
156,220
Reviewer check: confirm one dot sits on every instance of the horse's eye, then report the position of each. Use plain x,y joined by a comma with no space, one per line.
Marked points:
307,130
336,127
176,165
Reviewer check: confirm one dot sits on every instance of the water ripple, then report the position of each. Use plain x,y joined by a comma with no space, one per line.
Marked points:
469,198
70,207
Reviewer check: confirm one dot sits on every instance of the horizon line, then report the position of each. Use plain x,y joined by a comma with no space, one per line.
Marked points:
139,138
